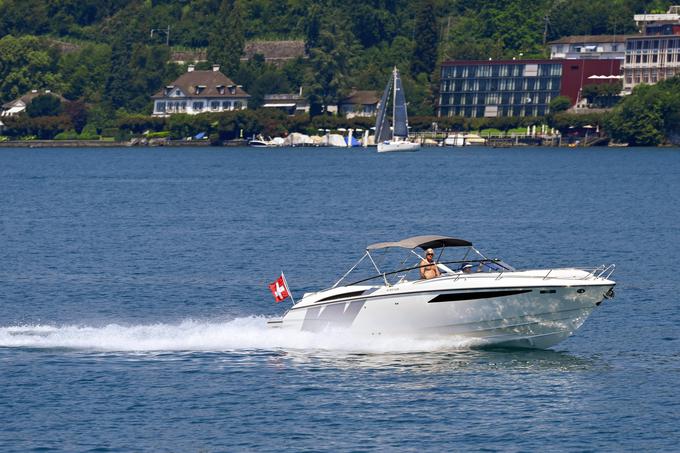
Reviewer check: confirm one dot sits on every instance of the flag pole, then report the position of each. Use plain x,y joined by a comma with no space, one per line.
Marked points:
290,293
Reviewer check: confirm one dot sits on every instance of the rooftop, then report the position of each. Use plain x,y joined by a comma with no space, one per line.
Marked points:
362,97
209,80
590,39
28,97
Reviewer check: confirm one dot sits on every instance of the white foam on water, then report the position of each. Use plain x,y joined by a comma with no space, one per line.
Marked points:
248,333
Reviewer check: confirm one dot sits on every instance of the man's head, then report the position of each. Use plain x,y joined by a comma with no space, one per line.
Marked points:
467,268
429,255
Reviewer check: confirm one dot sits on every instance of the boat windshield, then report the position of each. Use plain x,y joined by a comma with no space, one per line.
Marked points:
389,266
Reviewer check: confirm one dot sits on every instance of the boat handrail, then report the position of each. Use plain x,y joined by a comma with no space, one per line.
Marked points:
599,272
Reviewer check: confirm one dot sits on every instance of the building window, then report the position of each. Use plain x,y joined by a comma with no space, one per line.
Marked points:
491,111
214,105
237,105
160,106
197,106
531,70
226,105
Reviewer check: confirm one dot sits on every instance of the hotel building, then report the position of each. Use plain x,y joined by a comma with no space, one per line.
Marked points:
655,54
516,87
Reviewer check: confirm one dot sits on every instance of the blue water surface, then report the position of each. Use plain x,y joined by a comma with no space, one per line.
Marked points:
133,300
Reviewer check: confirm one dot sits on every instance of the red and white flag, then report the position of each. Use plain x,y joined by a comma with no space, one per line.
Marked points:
279,289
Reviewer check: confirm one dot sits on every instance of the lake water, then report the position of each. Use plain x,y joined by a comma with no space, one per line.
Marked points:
133,300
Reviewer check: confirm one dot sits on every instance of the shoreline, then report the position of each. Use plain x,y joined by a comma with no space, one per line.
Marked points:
243,143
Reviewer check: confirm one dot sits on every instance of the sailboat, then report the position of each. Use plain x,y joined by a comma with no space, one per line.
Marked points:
394,138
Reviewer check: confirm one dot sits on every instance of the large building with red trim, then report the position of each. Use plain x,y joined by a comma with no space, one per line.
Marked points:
505,88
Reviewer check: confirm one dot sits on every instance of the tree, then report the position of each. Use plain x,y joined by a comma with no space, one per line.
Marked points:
312,27
44,105
330,63
559,104
424,57
649,116
227,41
26,63
117,91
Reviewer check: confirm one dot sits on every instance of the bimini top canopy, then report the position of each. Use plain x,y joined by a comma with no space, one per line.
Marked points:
424,242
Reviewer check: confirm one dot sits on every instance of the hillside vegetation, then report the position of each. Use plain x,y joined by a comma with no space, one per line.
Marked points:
114,64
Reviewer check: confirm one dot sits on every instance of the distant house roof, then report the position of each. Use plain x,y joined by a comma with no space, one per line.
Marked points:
28,98
275,51
362,97
283,98
589,39
210,83
189,56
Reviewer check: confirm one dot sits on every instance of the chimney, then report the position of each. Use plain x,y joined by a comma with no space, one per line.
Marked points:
216,67
191,68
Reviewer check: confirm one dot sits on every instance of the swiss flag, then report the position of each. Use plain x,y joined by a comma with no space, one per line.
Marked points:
279,289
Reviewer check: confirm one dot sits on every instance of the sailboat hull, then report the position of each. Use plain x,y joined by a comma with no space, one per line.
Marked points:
398,146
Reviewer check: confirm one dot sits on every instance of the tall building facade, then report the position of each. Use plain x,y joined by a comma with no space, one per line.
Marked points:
506,88
655,54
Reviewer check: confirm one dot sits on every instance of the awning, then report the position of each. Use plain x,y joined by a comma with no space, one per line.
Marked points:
424,242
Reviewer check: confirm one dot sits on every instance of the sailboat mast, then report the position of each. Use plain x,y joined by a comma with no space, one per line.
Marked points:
394,100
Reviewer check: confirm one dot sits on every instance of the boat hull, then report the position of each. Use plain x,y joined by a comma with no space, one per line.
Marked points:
513,316
398,147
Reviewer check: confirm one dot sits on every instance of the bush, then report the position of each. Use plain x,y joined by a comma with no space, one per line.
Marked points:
67,135
43,127
559,104
44,105
162,134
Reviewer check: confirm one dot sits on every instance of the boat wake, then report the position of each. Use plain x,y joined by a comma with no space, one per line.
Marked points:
240,334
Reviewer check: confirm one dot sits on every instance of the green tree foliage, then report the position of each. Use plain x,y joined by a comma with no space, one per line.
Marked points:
26,63
602,94
425,51
44,105
559,104
312,27
44,127
85,72
330,64
227,39
649,116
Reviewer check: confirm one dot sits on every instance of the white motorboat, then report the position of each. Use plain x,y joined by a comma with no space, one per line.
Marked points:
260,142
398,140
475,298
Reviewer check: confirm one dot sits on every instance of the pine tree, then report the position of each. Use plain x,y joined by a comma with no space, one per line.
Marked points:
227,41
424,58
117,90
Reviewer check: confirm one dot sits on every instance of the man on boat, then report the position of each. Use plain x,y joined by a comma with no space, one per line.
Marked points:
428,268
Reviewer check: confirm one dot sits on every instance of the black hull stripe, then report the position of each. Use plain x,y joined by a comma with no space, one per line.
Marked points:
341,296
452,297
